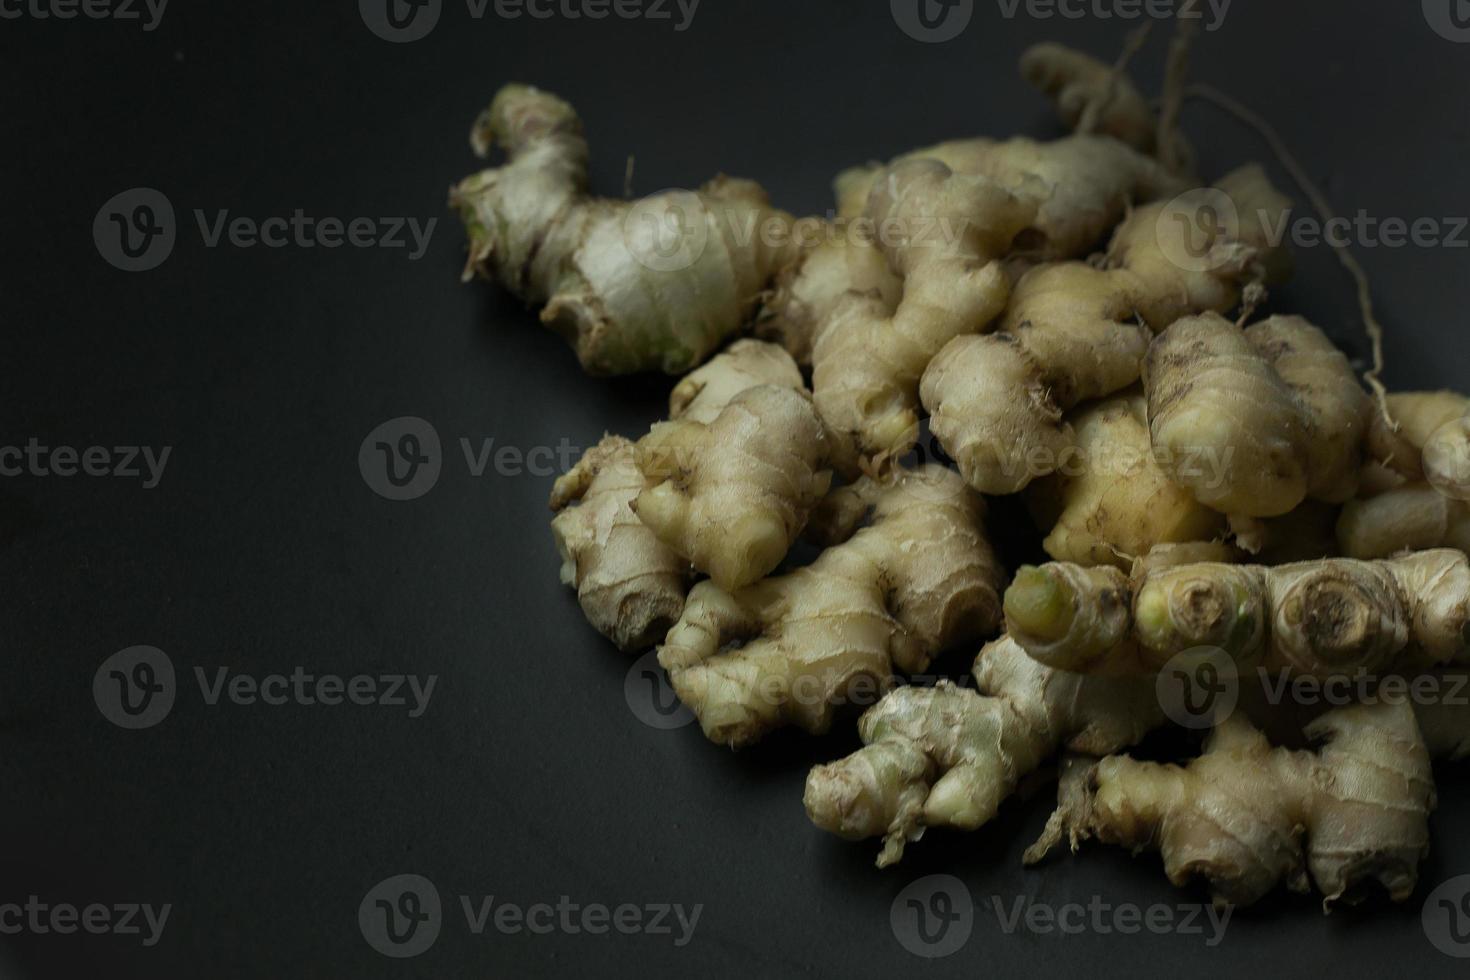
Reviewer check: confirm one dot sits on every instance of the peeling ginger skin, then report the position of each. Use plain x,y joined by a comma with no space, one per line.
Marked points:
1324,619
631,586
919,579
534,228
1245,816
1115,503
732,478
1275,410
948,756
867,360
1070,334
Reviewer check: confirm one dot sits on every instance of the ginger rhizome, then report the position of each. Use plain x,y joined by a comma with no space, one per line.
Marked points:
631,585
1431,442
919,579
1073,332
948,231
733,477
1416,486
949,756
1081,185
1089,96
652,285
1245,816
1326,618
1109,502
1255,422
1416,517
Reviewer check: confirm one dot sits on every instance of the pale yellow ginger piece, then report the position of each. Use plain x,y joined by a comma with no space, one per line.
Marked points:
1082,186
1432,442
1072,333
656,284
1090,96
806,291
1416,517
1413,492
1255,422
949,756
919,579
631,586
1328,618
733,495
945,233
1245,817
703,393
1110,503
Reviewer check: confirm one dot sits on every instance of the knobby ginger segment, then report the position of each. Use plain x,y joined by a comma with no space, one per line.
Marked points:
1415,490
1245,816
733,477
1081,187
1074,332
1275,411
1432,442
919,579
1110,503
631,585
1416,517
652,285
946,232
1090,96
1329,618
949,756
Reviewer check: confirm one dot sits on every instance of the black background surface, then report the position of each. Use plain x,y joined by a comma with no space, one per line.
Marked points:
528,777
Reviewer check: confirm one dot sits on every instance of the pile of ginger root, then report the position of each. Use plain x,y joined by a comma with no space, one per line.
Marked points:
1078,324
